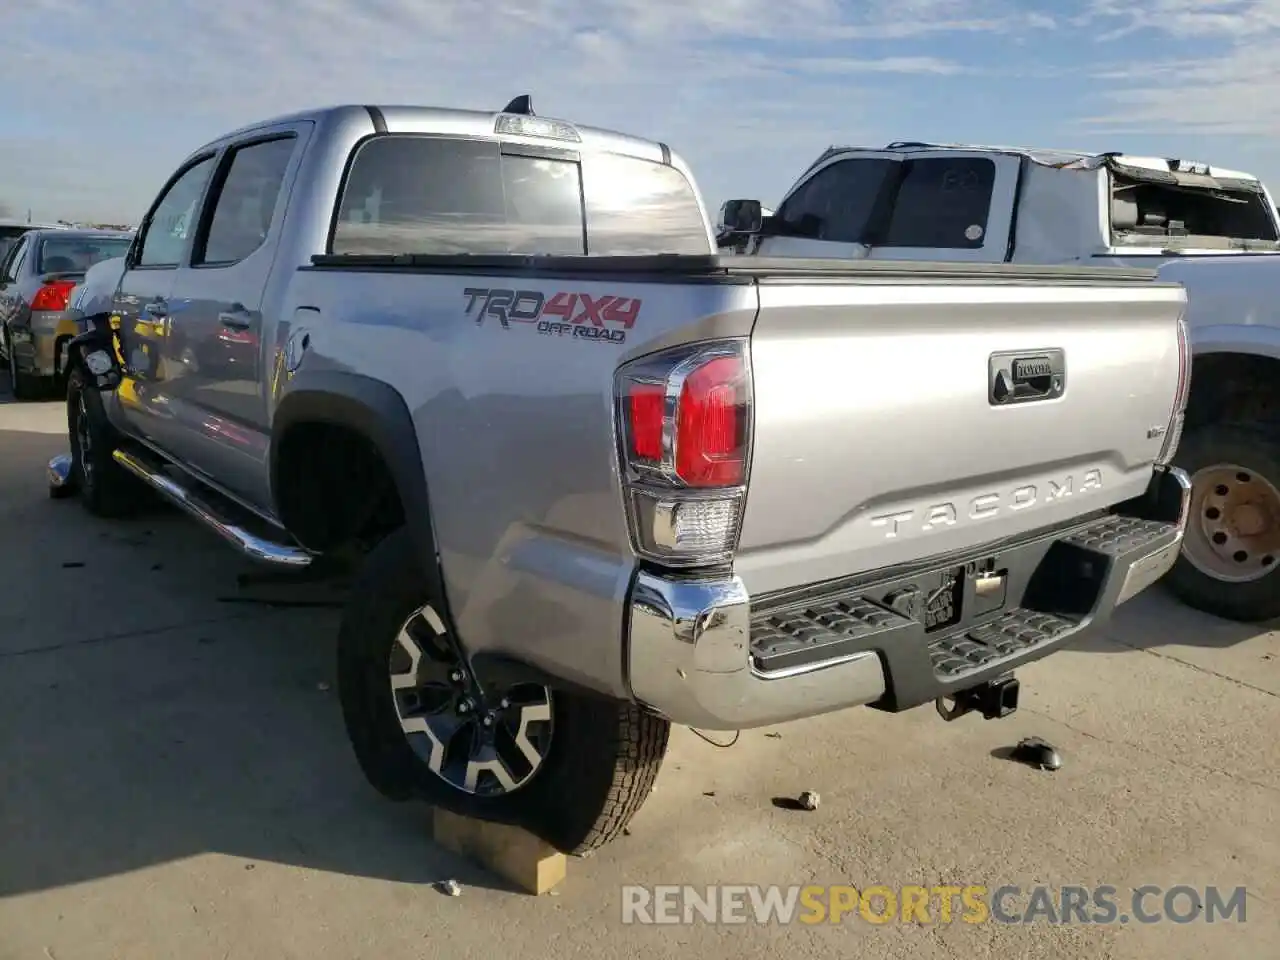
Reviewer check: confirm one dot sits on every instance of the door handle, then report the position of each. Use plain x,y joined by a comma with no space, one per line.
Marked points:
237,318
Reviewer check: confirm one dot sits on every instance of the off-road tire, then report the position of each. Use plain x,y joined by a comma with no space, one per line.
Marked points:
1254,447
604,754
107,489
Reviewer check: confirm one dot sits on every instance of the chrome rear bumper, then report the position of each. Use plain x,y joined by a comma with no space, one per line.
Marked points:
695,647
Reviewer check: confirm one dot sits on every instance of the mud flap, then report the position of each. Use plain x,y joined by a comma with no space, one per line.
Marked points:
98,351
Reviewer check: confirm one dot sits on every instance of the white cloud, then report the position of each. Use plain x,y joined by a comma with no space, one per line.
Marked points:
1224,82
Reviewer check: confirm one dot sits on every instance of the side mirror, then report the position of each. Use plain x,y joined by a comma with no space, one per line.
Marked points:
741,216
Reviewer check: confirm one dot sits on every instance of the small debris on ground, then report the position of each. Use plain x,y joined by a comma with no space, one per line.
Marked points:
1038,753
322,687
774,736
450,888
71,564
808,800
708,793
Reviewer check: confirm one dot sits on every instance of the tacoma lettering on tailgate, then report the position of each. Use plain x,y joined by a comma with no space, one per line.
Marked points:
937,516
581,316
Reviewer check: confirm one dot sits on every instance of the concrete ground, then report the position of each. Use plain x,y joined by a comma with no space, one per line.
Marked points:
175,782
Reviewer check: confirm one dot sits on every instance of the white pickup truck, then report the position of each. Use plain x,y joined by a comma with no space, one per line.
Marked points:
1213,230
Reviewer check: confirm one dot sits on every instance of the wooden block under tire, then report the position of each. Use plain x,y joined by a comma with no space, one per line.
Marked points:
514,854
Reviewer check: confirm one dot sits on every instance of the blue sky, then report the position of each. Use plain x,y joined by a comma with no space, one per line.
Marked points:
106,96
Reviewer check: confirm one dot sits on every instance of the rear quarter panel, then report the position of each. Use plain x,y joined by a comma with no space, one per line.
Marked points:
516,432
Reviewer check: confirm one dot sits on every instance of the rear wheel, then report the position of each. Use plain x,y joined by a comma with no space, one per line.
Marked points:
106,488
571,768
1231,552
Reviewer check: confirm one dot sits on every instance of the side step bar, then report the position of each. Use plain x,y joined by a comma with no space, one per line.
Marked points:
250,544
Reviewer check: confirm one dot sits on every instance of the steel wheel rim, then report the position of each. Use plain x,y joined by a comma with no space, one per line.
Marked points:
485,749
84,442
1234,531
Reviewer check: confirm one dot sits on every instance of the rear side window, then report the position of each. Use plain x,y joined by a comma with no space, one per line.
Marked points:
435,195
836,203
246,201
942,202
637,207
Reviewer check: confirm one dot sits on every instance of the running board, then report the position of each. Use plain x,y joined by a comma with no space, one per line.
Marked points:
261,549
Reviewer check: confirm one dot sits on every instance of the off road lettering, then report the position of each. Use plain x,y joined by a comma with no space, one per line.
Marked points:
579,316
937,516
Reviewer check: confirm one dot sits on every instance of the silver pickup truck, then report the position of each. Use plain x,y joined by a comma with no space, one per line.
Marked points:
599,479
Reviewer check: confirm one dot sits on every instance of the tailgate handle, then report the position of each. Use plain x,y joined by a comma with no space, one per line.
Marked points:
1024,376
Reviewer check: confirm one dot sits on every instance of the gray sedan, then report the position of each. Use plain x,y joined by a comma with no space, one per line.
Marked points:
36,279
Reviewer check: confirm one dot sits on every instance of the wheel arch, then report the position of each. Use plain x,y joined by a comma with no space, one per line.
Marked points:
376,412
1235,382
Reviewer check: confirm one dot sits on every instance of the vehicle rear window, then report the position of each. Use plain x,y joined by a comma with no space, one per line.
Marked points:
78,254
636,207
942,202
435,195
1158,213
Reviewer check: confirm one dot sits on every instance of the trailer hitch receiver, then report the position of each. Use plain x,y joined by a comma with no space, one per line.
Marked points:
993,699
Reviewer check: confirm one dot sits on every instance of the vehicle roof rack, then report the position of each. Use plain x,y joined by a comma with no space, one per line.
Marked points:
522,105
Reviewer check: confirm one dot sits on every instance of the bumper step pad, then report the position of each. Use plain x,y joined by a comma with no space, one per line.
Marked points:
823,632
1056,586
1017,631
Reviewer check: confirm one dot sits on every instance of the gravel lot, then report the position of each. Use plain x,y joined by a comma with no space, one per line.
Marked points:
176,782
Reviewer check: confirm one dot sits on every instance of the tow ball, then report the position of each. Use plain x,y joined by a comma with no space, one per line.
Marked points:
993,699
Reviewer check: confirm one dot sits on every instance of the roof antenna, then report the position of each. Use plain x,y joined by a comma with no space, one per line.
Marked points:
522,104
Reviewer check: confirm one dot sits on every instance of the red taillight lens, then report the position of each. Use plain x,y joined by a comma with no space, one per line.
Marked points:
53,296
644,416
685,418
709,425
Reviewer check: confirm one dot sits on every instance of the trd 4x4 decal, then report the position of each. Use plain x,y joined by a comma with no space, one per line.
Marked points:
582,316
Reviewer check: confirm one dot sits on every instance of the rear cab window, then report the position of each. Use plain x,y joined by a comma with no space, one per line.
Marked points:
420,194
1168,210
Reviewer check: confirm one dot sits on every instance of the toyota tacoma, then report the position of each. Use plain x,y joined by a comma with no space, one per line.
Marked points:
598,478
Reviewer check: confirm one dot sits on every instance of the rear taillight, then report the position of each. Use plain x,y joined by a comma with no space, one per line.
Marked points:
53,296
1174,434
684,422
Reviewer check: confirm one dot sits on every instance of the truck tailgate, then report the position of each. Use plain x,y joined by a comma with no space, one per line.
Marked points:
879,437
